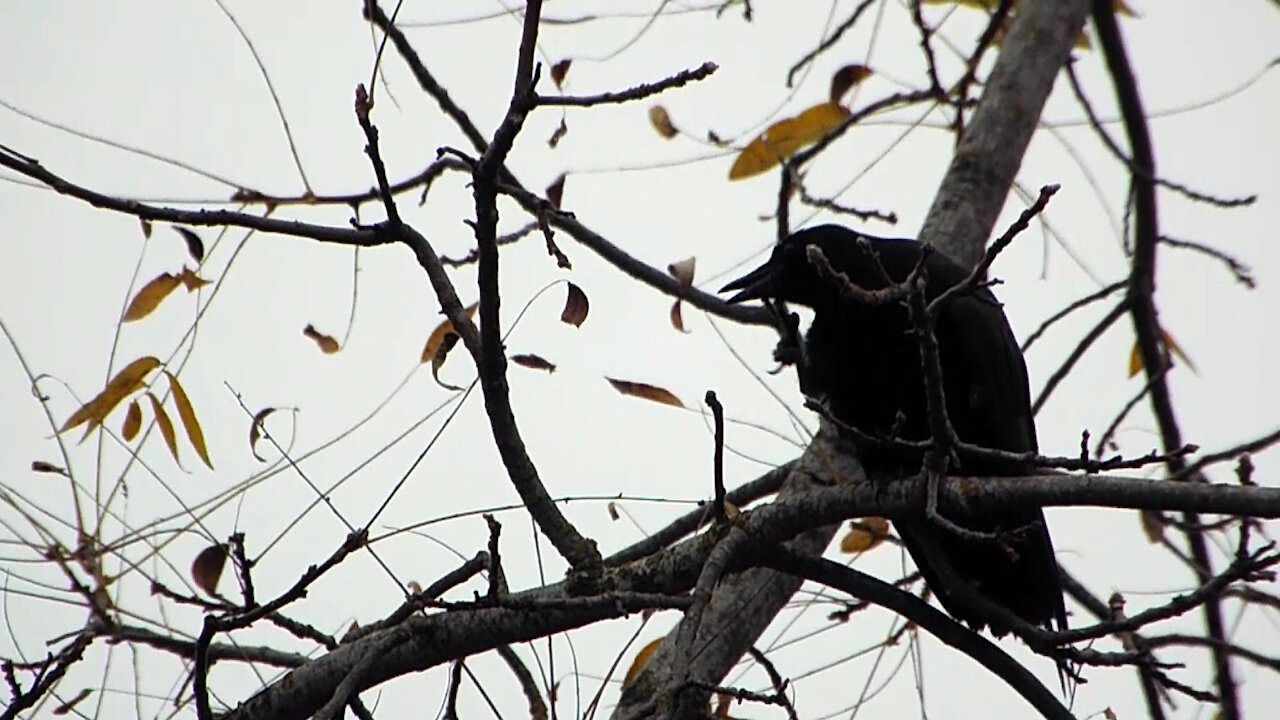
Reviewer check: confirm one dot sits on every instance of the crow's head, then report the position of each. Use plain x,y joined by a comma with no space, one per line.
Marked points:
791,276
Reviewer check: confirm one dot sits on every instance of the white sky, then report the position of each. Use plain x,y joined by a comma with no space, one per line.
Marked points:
176,79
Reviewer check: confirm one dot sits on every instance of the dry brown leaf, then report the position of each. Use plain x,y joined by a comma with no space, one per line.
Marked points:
558,135
187,414
190,280
166,427
132,421
195,246
442,353
149,297
845,78
645,391
559,70
1109,714
661,122
613,511
125,383
864,535
206,569
716,140
534,362
327,343
782,139
677,317
1153,522
731,511
575,306
682,270
437,335
146,228
555,191
642,658
256,429
41,466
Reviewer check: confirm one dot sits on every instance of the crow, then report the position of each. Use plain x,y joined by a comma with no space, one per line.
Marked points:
862,361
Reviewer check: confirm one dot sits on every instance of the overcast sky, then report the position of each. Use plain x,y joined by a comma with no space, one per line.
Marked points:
179,81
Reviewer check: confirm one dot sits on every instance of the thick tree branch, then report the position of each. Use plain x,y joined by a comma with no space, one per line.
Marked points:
1146,323
990,152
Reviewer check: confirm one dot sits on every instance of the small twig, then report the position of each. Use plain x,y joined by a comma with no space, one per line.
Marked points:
528,686
1110,432
1075,305
779,685
717,413
1241,271
960,91
451,695
926,44
680,79
363,106
1078,352
418,601
831,205
978,275
474,254
497,578
243,569
827,42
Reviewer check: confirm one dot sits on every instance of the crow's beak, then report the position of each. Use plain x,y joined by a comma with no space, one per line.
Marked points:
755,285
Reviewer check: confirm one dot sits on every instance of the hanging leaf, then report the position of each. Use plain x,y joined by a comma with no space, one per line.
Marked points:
677,317
534,362
149,297
845,78
166,427
187,414
1153,523
132,421
256,429
716,140
559,70
782,139
864,535
613,511
559,134
575,306
555,191
437,361
195,246
41,466
327,343
190,280
146,228
661,122
645,391
641,659
1135,354
125,383
437,336
206,569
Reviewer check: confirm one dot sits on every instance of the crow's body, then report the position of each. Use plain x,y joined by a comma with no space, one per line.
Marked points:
863,362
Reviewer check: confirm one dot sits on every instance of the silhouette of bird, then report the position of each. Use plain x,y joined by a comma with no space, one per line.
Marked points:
863,362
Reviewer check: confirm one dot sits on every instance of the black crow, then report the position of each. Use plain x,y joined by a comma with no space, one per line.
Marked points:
863,362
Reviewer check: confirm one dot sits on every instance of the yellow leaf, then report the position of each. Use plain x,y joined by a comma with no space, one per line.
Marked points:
125,383
642,658
150,296
782,139
661,122
327,343
166,427
864,534
188,416
132,422
437,336
1135,353
190,280
645,391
